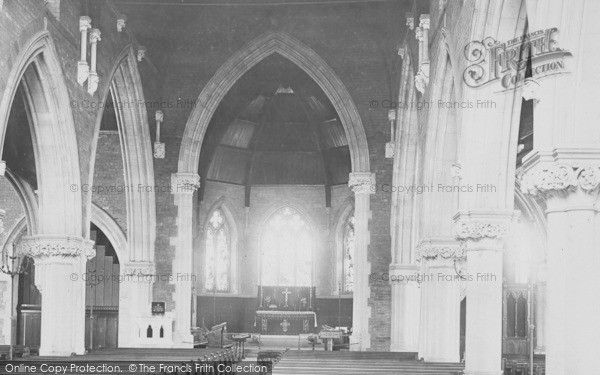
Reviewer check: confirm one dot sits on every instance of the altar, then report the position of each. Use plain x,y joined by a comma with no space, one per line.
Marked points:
285,310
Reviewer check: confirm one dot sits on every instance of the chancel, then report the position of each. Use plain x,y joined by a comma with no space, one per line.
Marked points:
326,187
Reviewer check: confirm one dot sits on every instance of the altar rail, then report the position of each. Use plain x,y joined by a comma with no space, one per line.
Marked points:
359,363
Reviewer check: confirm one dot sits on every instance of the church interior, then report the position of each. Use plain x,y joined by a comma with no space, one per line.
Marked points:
326,186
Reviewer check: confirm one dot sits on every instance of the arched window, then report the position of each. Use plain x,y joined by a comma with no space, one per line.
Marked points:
218,253
348,256
286,250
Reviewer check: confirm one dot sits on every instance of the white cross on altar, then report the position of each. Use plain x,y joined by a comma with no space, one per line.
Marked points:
286,293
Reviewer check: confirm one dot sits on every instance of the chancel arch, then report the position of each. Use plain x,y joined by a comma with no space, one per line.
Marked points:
270,47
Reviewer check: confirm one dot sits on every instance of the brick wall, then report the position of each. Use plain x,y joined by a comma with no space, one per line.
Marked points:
109,191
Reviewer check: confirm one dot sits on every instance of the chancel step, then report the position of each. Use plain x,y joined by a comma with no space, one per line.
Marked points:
330,363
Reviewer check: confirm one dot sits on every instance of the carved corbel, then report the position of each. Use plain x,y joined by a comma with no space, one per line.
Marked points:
93,79
141,53
83,69
410,21
121,23
159,147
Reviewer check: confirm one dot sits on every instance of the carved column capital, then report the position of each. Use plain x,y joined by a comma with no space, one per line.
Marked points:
557,179
141,269
424,21
40,246
158,116
484,226
362,182
422,77
410,21
85,23
121,21
95,36
185,183
419,34
446,249
402,52
141,53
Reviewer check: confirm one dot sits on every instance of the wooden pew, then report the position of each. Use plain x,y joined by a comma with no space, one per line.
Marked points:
124,357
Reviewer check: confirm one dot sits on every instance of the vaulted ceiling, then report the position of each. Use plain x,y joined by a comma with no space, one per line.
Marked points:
275,126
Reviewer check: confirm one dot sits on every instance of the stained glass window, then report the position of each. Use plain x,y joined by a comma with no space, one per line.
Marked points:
348,258
218,251
286,250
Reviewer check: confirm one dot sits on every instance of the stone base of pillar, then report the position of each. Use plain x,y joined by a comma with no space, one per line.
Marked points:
439,339
63,311
135,297
406,299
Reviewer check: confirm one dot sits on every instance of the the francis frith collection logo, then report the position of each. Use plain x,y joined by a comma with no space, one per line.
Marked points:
507,63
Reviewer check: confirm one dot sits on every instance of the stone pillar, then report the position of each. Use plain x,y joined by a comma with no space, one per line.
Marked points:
362,184
483,233
571,195
183,186
540,318
440,300
135,297
59,263
406,301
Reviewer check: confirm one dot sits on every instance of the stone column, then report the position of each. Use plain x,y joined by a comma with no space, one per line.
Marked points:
440,299
183,186
406,301
59,266
362,184
573,262
540,318
483,233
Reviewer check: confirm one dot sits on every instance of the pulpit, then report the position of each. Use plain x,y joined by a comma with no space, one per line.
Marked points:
285,310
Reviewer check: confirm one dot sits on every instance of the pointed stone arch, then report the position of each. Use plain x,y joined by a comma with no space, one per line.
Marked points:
59,246
38,71
136,248
242,61
186,180
126,87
